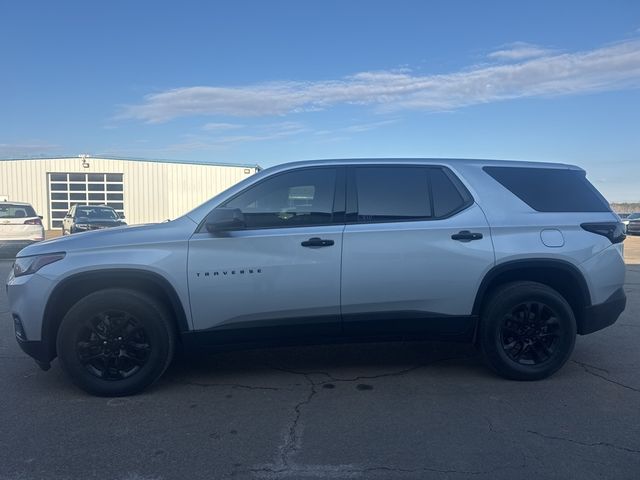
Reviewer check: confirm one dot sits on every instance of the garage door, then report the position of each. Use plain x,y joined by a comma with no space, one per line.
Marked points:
68,189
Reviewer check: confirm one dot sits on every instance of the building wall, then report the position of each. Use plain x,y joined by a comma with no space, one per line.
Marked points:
153,191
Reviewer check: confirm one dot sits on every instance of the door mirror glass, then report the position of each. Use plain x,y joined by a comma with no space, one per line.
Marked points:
225,220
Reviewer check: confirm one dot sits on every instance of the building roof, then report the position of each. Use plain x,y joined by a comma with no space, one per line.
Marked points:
137,159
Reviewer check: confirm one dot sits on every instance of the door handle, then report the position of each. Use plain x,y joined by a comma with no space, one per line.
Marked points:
466,236
317,242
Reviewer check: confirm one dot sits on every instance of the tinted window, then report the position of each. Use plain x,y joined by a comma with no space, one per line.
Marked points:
551,189
446,196
7,210
303,197
392,193
98,213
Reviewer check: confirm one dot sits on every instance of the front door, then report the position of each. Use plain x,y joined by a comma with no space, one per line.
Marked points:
414,251
273,272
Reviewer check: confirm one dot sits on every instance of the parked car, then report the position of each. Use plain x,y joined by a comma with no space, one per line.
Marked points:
82,218
516,257
633,224
19,226
629,217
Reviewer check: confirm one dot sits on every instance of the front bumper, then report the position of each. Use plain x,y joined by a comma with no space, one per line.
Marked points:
38,350
597,317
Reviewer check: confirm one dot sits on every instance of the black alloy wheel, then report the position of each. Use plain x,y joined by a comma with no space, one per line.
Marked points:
116,341
113,345
527,330
530,333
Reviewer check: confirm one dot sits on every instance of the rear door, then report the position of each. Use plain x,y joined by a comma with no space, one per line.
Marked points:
415,249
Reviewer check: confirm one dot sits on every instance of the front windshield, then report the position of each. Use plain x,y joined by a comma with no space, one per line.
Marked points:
633,216
96,213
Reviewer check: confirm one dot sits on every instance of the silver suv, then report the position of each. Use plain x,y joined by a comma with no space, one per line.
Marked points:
515,257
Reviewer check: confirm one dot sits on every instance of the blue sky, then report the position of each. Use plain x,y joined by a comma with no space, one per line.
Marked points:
269,82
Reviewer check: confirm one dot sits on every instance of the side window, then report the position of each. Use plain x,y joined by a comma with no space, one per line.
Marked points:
388,194
446,196
297,198
551,189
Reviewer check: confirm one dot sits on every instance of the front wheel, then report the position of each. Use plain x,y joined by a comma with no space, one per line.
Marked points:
116,342
527,331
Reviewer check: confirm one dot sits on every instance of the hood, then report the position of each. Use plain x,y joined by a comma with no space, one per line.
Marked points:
180,229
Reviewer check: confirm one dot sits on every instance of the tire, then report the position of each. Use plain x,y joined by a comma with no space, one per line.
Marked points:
116,342
527,331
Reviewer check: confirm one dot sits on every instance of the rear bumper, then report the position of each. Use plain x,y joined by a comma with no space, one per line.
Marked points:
599,316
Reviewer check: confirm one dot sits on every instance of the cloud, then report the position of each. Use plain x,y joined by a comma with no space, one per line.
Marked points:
261,133
18,150
215,127
520,51
365,127
607,68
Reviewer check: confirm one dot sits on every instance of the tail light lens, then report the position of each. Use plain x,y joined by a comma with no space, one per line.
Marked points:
33,221
614,231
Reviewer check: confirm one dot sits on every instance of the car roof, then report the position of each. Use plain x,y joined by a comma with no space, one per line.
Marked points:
453,162
84,205
11,202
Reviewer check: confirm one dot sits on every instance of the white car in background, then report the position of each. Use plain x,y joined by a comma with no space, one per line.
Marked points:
19,225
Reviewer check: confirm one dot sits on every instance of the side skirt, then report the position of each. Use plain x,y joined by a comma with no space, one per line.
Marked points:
451,328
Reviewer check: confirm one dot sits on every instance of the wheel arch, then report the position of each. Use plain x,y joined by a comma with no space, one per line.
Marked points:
75,287
560,275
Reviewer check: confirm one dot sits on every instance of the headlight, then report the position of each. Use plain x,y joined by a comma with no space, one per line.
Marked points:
29,265
82,226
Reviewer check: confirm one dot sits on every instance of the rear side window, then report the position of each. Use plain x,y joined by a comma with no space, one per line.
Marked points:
446,196
551,189
8,210
407,193
387,194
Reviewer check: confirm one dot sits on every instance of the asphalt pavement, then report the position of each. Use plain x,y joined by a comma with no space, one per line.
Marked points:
374,411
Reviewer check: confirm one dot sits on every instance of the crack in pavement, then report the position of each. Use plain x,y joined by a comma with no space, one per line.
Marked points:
584,444
332,378
593,367
232,385
293,437
587,368
351,471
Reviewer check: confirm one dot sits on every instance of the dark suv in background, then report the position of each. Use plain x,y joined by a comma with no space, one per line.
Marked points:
82,218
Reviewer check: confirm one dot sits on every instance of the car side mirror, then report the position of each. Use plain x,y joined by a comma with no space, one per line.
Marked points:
225,220
121,216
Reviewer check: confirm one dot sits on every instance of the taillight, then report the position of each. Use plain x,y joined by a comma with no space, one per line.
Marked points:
614,231
33,221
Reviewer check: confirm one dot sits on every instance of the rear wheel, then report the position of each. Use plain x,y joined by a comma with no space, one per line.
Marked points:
116,342
527,331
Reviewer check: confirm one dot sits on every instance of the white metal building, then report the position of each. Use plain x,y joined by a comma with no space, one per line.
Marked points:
144,190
